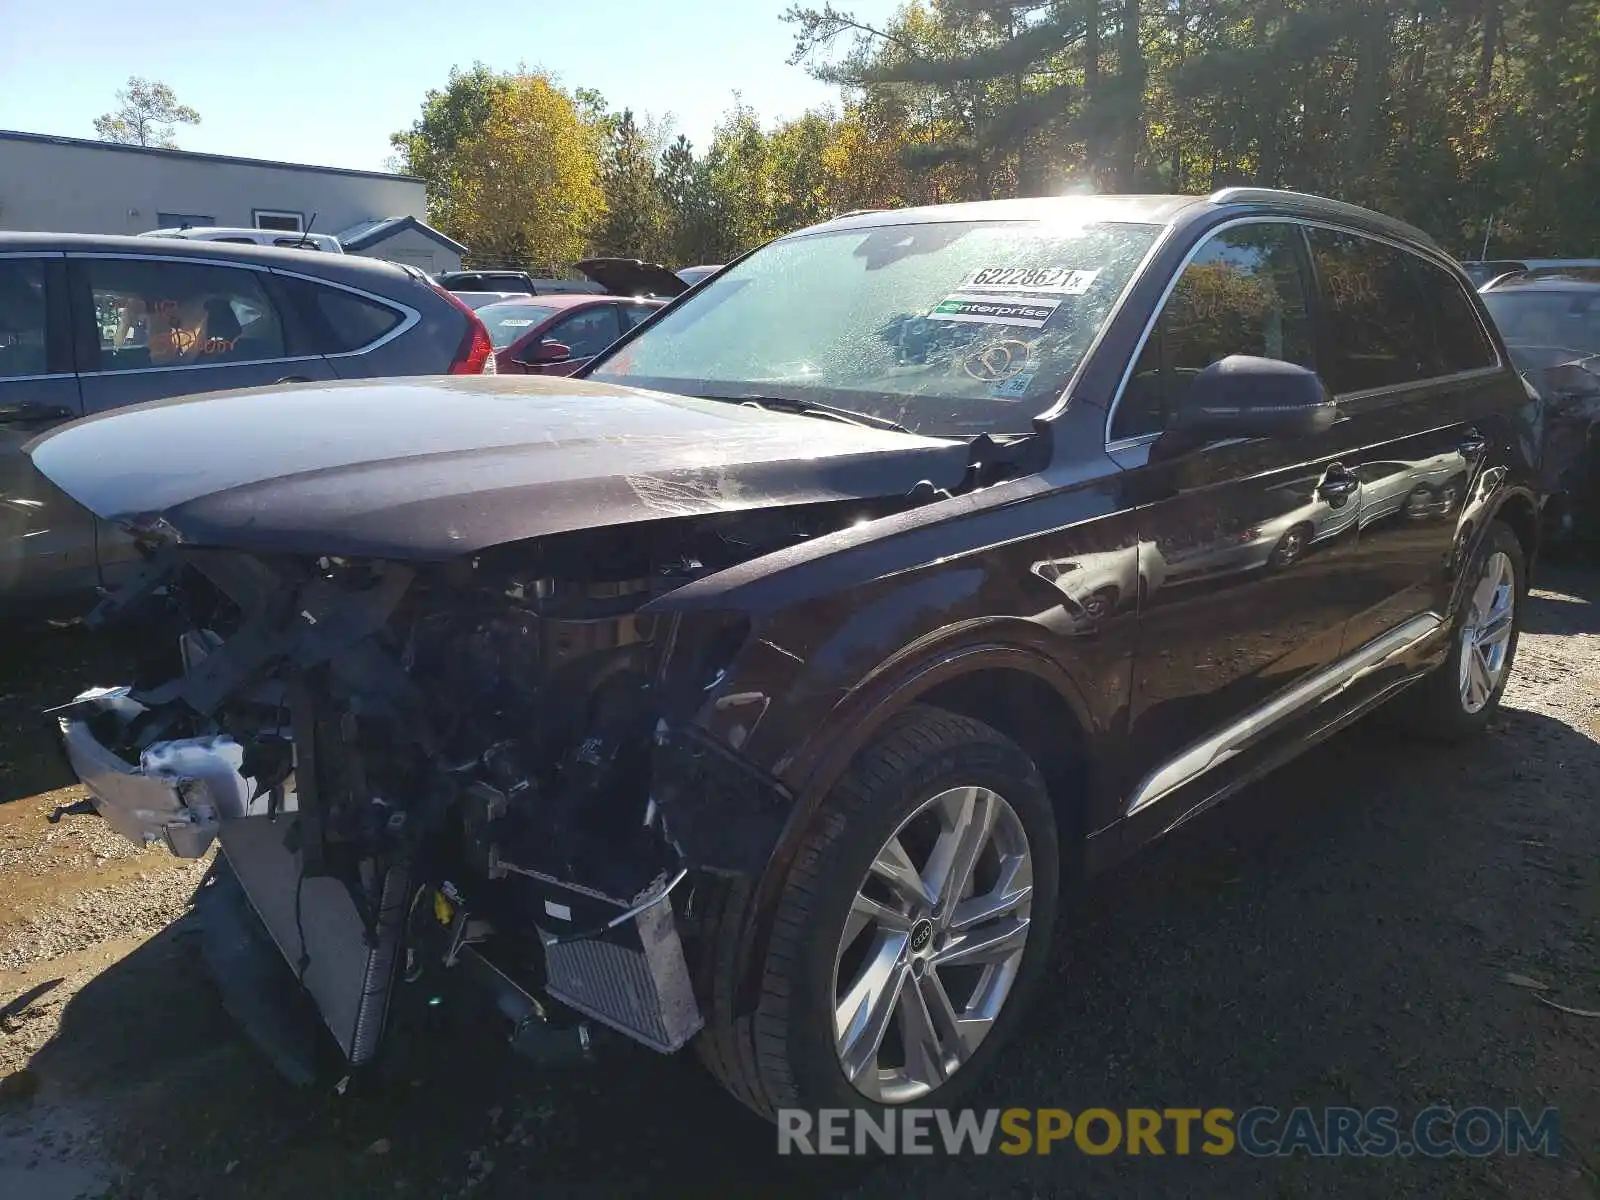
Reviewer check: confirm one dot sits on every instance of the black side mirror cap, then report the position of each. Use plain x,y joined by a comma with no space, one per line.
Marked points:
1246,397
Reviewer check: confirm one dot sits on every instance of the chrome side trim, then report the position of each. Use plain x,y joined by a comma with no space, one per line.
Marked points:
1277,219
1322,686
220,366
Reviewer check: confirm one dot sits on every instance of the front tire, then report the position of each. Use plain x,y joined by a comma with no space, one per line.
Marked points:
1460,697
913,923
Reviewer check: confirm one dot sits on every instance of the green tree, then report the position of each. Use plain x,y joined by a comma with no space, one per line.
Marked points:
635,224
147,114
431,148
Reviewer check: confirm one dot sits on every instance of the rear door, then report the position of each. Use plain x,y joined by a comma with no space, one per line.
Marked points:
152,328
1243,544
1419,386
47,540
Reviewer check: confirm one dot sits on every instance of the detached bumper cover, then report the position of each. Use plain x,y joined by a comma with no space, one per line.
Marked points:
179,793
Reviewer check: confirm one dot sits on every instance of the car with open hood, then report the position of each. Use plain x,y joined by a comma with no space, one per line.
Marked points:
767,685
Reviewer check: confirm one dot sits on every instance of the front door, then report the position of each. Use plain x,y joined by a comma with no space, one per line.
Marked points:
1244,544
152,328
586,332
47,540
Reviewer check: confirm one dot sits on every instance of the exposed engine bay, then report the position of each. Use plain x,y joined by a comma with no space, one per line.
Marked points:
458,762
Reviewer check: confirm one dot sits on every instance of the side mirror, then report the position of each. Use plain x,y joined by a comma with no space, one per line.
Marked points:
547,354
1245,397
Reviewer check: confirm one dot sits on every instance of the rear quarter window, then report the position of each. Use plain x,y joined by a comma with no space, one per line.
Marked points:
352,321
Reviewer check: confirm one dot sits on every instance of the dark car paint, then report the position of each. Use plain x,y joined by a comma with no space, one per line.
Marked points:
951,598
53,553
852,627
425,470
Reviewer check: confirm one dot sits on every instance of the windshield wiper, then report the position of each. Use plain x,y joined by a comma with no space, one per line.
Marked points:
815,408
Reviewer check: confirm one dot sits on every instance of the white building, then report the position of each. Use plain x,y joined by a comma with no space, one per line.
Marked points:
74,185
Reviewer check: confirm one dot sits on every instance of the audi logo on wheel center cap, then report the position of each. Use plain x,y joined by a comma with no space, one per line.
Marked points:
921,935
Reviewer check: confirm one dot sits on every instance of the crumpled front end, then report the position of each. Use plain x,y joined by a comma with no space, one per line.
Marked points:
417,767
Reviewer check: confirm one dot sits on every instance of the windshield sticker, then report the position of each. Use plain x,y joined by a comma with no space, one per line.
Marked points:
995,310
1014,388
515,322
1060,280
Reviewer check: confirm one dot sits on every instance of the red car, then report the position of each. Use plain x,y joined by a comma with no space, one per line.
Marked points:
555,334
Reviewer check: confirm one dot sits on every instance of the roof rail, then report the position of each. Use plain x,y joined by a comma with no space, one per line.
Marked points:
1311,204
857,212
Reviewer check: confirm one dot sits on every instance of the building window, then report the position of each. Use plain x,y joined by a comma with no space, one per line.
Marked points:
266,218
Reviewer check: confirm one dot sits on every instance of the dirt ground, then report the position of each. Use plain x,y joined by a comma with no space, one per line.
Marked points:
1340,934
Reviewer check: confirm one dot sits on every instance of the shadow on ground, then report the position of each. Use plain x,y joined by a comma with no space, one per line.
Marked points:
1338,934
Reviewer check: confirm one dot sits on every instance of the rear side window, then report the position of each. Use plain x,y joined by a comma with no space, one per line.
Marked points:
22,317
154,313
352,321
1244,292
1460,343
1381,332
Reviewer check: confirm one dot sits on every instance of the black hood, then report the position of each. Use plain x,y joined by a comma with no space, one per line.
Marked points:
427,469
630,277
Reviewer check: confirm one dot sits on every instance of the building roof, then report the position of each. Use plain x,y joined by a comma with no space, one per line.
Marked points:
369,233
11,135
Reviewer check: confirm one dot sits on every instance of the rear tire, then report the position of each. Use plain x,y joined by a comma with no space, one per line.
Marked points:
1459,698
787,1053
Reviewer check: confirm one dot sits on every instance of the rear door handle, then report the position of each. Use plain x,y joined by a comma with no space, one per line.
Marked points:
293,379
29,411
1473,444
1338,484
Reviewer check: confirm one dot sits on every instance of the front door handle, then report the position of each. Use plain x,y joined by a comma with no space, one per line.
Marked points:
1338,485
292,379
29,411
1473,444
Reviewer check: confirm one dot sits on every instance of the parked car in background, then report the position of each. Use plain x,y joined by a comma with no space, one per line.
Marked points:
519,282
555,335
477,300
729,693
1482,271
92,324
632,277
693,275
287,239
1550,320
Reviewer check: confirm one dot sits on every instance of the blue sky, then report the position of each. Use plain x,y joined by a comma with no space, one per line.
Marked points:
327,81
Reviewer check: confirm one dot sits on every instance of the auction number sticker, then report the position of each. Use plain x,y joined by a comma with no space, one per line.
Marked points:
1062,281
995,310
516,322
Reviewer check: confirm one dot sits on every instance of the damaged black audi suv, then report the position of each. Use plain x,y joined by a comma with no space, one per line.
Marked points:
768,686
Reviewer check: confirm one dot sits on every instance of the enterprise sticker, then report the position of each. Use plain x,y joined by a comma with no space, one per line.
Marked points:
1061,280
995,310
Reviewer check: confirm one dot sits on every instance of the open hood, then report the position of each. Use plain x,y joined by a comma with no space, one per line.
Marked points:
428,469
630,277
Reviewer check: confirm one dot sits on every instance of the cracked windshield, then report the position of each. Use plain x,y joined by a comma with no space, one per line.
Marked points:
954,329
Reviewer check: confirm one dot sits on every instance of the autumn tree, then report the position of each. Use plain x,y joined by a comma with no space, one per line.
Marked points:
147,114
431,148
526,182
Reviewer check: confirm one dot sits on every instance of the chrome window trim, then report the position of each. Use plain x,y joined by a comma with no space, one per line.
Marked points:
251,362
1200,757
186,260
37,378
1278,219
33,253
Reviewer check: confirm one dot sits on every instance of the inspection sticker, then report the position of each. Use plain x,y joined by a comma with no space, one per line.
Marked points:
516,322
1014,388
995,310
1063,281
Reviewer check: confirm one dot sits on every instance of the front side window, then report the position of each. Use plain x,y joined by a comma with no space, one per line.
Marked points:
956,329
168,314
636,314
1379,325
588,332
1244,292
22,317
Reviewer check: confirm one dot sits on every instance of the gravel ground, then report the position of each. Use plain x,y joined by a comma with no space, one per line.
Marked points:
1340,934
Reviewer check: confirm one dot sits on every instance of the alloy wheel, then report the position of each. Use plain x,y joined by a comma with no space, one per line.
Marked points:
1486,633
933,944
